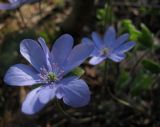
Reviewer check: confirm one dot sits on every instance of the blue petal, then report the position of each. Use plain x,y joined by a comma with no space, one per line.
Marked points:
96,51
97,40
59,91
96,60
47,93
33,52
110,36
61,49
123,38
117,57
21,75
31,103
75,92
125,47
86,40
12,1
6,6
44,46
77,56
16,1
46,52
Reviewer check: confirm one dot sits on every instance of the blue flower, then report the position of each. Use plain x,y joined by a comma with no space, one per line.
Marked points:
13,4
50,69
109,47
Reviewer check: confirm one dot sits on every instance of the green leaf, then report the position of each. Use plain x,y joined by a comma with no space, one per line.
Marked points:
141,83
123,80
146,37
76,72
126,26
151,66
100,14
44,35
35,86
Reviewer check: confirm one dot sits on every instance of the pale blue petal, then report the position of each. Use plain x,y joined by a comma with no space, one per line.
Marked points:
46,52
125,47
44,46
110,36
47,93
99,43
117,57
12,1
96,51
17,1
31,104
6,6
21,75
59,90
75,93
86,40
96,60
123,38
78,56
59,93
61,49
33,52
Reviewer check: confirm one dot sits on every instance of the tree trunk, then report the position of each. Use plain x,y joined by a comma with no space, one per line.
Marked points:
81,14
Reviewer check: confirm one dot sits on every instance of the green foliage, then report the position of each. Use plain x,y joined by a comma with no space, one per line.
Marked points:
123,80
101,15
143,37
146,37
141,83
126,26
9,52
151,66
45,36
78,71
105,16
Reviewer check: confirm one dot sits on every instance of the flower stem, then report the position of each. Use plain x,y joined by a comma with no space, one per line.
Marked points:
108,13
104,79
60,109
105,72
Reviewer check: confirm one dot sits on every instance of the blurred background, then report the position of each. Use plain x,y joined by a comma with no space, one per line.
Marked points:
130,96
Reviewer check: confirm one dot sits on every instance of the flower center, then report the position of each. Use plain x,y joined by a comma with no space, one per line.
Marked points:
104,51
52,77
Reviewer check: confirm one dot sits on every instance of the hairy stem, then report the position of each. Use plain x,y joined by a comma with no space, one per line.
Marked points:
60,109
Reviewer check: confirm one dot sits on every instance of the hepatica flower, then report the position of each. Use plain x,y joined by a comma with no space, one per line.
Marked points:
50,69
13,4
109,47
